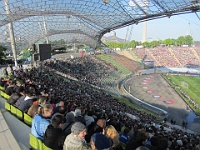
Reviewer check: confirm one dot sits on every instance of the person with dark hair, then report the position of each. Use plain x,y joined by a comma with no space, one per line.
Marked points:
9,89
2,82
124,136
27,103
154,143
16,95
162,143
98,127
139,139
54,136
58,105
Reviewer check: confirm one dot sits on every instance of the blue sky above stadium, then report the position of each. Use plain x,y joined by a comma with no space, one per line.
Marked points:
173,27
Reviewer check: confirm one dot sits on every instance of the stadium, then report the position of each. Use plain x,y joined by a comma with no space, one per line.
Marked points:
73,85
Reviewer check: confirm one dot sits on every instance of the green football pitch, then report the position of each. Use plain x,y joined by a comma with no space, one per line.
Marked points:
189,84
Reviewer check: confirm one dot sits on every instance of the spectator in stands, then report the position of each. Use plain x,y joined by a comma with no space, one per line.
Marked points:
99,142
58,105
15,96
97,127
124,136
54,136
27,103
70,120
76,139
139,139
113,135
9,89
153,143
5,72
78,115
34,108
20,99
40,121
2,82
61,111
88,118
162,143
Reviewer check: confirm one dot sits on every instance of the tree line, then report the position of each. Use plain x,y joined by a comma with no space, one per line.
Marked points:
182,40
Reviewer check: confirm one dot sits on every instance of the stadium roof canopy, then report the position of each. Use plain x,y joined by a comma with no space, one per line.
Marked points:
80,21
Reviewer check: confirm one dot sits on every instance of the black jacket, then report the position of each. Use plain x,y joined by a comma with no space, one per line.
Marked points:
13,98
54,138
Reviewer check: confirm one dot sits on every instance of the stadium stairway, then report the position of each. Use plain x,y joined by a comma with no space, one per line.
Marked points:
14,134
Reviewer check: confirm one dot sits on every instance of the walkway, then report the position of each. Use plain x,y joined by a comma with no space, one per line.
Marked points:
14,134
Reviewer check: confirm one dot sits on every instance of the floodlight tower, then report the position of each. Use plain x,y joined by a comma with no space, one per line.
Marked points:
144,38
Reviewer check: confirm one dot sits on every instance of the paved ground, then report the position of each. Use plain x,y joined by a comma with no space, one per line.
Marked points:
18,138
145,87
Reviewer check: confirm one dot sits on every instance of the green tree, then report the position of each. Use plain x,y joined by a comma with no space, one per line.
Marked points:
181,40
188,40
168,42
133,43
2,54
146,44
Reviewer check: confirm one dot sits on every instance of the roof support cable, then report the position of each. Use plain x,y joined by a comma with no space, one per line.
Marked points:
197,15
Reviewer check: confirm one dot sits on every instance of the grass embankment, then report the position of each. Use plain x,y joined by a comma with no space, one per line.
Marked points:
123,71
187,84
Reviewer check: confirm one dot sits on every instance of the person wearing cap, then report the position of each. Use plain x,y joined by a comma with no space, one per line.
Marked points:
100,142
75,140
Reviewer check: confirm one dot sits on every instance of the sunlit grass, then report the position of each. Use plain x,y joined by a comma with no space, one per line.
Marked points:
189,84
123,70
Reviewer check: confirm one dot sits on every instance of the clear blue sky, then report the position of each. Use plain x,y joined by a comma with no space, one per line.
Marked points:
173,27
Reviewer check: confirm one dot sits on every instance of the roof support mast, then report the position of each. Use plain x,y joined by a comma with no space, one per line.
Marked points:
45,31
10,28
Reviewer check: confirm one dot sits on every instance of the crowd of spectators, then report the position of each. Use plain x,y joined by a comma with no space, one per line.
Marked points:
89,70
171,56
75,115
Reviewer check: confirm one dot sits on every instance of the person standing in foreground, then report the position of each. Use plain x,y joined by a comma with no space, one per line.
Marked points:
75,140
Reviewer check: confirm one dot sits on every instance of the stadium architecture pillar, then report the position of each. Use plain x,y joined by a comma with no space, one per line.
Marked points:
10,28
45,30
